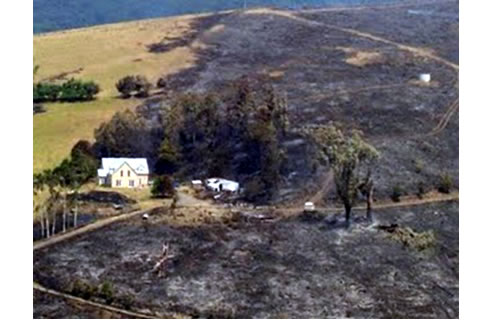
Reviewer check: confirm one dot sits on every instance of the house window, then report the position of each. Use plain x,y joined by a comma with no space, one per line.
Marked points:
121,173
128,172
118,183
131,183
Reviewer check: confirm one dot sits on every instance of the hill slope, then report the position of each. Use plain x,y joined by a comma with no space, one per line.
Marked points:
51,15
327,73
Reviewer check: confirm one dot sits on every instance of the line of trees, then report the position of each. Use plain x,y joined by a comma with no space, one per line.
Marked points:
70,91
65,179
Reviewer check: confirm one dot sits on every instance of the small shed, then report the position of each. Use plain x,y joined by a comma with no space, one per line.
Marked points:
197,184
219,185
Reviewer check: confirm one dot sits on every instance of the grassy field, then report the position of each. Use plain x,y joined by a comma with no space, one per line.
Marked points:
103,54
58,129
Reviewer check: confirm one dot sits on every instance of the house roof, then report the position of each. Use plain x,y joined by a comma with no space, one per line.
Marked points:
110,165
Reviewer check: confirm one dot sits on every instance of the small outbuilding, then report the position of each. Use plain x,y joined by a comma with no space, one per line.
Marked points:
220,185
197,184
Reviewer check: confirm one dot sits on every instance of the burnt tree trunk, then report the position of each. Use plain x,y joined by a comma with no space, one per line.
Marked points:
53,230
369,200
47,225
348,217
42,223
75,213
64,227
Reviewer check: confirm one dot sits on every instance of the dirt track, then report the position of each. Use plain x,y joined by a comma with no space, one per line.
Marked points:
416,51
125,313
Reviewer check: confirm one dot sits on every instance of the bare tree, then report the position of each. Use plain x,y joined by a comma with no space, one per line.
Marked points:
76,209
367,189
51,202
64,197
47,224
41,219
53,225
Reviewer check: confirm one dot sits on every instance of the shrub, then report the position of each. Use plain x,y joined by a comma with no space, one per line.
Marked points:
161,83
445,183
106,292
396,193
421,189
419,165
163,187
414,240
138,86
38,108
126,301
82,289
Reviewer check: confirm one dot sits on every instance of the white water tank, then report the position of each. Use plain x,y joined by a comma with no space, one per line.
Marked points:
425,77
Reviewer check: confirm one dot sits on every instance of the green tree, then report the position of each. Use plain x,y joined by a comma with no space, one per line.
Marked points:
162,187
123,136
168,160
138,86
45,92
351,159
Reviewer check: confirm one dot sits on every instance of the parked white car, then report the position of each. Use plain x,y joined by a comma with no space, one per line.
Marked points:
309,207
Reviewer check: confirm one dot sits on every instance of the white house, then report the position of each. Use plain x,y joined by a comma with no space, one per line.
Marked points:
219,184
124,172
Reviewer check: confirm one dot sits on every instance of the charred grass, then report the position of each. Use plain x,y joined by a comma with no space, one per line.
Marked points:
290,267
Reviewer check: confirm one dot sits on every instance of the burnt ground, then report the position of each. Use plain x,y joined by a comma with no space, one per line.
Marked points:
331,75
288,268
291,267
50,307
